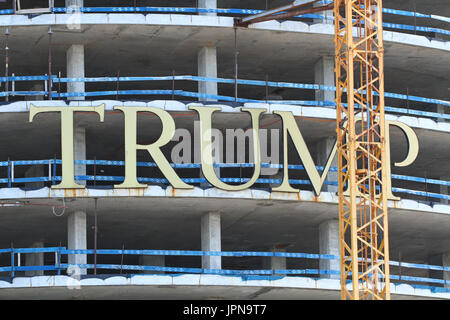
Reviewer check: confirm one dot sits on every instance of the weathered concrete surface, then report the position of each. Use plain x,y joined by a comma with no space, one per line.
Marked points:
34,259
329,244
75,69
188,286
211,238
77,239
207,67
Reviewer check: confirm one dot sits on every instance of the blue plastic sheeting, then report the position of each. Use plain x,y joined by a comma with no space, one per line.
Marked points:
418,279
418,266
36,250
250,12
29,268
200,79
240,100
415,28
202,253
225,11
200,270
228,99
423,180
63,250
257,273
202,180
422,193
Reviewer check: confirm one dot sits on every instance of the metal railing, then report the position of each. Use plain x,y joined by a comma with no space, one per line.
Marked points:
12,180
58,94
403,272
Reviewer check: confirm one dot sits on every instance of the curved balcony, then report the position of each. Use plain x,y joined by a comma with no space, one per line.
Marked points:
307,275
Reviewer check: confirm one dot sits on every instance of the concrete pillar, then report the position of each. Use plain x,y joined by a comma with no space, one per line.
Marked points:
207,4
80,151
442,110
35,87
444,189
154,261
207,67
275,263
444,261
75,69
74,3
275,95
32,172
324,75
76,227
77,239
324,148
329,244
35,259
211,240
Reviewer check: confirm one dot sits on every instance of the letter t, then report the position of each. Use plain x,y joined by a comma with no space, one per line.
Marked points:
67,144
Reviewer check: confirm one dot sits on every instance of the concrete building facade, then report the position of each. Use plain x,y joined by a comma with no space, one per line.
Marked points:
204,241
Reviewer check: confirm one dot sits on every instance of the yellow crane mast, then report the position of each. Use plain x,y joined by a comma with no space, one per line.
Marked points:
363,213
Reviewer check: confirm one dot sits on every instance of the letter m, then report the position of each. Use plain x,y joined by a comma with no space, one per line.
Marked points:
290,128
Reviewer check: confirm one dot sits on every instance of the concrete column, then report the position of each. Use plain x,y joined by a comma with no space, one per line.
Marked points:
275,95
207,67
154,261
444,189
444,261
34,171
35,259
35,87
329,244
207,4
77,239
324,148
275,263
442,110
75,69
211,240
76,227
80,151
324,75
74,3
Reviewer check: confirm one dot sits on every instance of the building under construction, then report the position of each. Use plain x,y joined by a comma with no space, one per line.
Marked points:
175,150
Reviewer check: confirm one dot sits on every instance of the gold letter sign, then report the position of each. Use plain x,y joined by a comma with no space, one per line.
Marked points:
290,128
68,180
205,114
131,146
